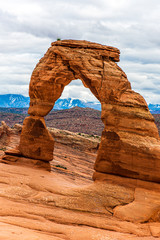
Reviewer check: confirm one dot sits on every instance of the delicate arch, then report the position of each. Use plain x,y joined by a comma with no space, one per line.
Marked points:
65,61
124,149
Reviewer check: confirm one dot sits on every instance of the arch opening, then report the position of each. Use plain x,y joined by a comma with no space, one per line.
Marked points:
83,118
77,90
130,136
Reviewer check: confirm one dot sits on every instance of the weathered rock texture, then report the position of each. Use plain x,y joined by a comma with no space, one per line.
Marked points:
130,143
4,134
36,140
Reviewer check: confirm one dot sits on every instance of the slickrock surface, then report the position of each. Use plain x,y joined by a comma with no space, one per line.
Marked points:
66,204
130,144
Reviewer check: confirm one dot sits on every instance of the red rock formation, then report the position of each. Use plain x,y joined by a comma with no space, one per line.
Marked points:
130,143
36,141
5,132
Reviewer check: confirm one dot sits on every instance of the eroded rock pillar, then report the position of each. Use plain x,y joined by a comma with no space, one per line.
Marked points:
36,142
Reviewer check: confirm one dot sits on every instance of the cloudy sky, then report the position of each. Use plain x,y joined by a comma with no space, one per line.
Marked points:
27,28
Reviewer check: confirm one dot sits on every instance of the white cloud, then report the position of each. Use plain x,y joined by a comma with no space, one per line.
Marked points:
27,28
14,88
76,90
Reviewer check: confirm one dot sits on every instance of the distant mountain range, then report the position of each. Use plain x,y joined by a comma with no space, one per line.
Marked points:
19,101
70,103
14,101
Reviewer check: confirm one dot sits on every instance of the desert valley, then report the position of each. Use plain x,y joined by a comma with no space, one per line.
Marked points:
76,119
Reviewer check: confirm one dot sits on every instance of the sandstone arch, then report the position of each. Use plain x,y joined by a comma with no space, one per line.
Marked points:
130,143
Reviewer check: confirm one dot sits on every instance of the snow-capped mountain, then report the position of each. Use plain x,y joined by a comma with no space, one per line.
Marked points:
14,101
70,103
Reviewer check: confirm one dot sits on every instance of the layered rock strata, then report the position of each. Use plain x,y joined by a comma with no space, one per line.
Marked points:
130,143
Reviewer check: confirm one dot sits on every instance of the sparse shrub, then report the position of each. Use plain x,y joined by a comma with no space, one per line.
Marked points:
3,149
60,166
97,136
91,135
